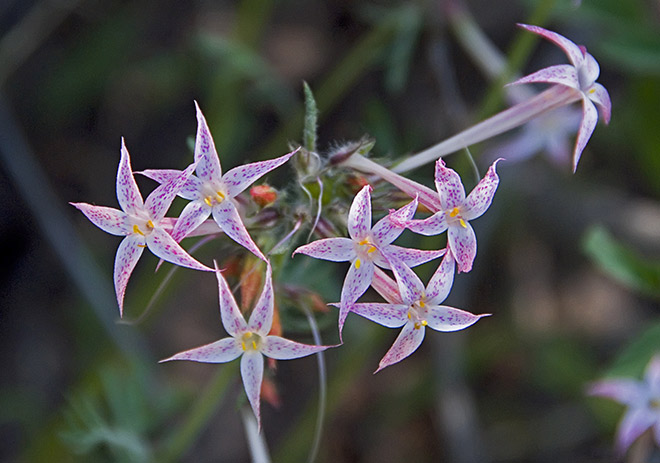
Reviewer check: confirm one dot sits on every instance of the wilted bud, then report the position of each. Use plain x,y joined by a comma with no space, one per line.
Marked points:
263,195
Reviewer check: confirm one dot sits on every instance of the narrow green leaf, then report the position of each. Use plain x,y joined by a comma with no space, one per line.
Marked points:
311,117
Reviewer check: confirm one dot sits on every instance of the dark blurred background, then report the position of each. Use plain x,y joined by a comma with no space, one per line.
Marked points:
567,264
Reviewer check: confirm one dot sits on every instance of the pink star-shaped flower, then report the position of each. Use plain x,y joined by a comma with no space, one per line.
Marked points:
580,75
642,399
456,211
140,222
249,340
367,247
415,307
211,192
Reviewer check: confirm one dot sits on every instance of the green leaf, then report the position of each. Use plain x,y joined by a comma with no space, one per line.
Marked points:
311,118
622,263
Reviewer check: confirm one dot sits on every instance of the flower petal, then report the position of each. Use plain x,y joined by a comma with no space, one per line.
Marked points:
279,348
333,249
359,216
463,244
239,178
623,390
633,425
405,344
128,194
449,186
222,351
208,167
160,200
357,281
192,216
128,253
108,219
389,315
562,74
440,284
411,287
163,245
412,257
479,199
431,226
392,225
573,51
252,372
190,190
226,216
598,94
447,319
652,374
232,318
587,126
262,314
386,287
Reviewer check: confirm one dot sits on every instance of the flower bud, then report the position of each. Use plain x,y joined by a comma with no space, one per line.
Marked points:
263,195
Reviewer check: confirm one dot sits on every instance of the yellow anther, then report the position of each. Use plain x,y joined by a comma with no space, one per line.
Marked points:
462,222
409,316
207,200
422,303
424,322
357,263
141,245
372,248
454,212
243,345
137,230
248,335
593,90
150,225
221,195
418,325
254,345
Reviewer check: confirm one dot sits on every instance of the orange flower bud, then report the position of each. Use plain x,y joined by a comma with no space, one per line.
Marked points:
263,195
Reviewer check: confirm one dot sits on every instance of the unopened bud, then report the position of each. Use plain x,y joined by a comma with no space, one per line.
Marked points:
263,195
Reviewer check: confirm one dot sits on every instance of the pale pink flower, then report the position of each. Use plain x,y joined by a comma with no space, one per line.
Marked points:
248,339
140,222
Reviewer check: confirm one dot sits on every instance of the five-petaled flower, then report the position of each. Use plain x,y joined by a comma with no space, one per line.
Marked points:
580,75
249,340
367,247
415,307
211,192
456,211
642,399
140,222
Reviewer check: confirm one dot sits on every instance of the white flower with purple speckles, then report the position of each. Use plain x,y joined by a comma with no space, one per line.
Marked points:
415,308
580,75
140,222
456,211
211,192
249,340
367,247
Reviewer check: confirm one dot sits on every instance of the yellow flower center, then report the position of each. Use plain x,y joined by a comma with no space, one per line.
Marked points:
250,341
417,313
213,199
455,214
149,226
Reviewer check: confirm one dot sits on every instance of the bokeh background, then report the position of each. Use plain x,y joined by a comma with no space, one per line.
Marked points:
568,264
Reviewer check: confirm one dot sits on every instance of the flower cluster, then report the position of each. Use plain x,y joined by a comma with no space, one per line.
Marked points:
374,261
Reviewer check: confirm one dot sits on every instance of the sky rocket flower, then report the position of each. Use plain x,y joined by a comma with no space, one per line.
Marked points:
456,211
249,340
211,192
140,222
367,246
416,308
642,399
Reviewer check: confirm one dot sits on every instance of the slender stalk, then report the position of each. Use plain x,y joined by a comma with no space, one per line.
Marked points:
554,97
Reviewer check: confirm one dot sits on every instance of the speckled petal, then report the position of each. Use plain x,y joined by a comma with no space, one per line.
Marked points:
449,186
160,200
389,315
333,249
463,244
232,318
447,319
587,126
563,74
431,226
252,372
589,70
479,199
190,190
128,253
108,219
392,225
192,216
162,245
357,281
222,351
359,216
280,348
128,194
574,53
411,287
226,216
405,344
239,178
441,282
412,257
598,94
262,314
633,425
208,168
